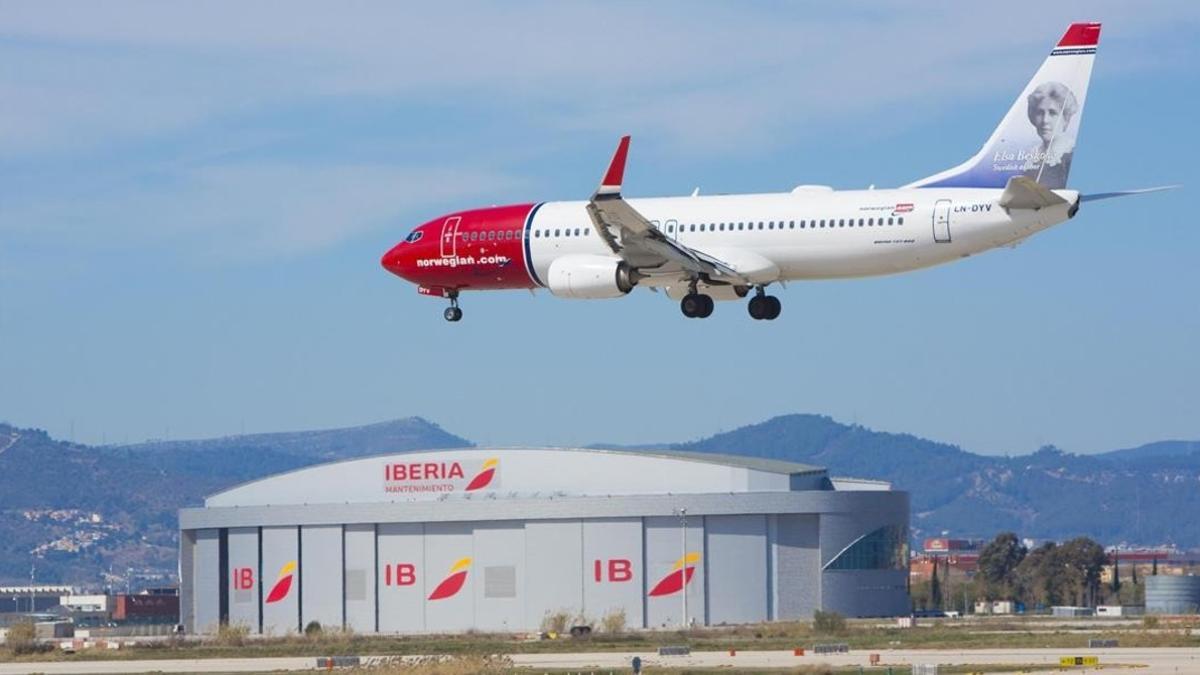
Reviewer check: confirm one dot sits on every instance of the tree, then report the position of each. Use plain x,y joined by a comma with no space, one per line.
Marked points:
935,588
1082,560
998,563
1116,580
1133,574
1038,576
1154,567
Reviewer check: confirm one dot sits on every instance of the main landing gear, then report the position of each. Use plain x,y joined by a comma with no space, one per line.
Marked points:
763,306
453,312
696,306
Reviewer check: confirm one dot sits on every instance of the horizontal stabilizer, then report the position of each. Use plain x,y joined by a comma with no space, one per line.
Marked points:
1125,193
1023,192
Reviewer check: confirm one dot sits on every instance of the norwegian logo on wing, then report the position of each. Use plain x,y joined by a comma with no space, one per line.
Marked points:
453,583
485,476
283,583
680,576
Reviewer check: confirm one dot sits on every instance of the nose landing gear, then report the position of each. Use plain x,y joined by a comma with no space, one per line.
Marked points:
763,306
453,312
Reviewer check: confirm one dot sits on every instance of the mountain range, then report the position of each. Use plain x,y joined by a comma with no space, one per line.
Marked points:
85,514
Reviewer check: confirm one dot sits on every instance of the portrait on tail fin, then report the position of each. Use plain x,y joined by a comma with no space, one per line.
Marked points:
1051,107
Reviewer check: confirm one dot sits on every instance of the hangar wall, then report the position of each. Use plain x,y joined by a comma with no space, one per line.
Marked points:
509,575
768,549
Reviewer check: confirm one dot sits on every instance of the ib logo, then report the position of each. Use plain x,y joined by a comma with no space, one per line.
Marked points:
283,584
485,475
453,583
679,576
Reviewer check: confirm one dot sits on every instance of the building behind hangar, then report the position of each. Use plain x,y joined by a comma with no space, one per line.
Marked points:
496,539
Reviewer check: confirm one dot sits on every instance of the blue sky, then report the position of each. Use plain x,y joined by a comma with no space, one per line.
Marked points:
194,199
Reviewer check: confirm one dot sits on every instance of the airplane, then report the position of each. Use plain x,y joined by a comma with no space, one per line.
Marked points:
702,249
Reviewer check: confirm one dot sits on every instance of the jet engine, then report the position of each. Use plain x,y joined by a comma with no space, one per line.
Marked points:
590,277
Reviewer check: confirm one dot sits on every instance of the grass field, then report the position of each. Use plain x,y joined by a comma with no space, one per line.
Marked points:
993,632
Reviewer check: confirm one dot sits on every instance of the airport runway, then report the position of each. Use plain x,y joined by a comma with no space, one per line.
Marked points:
1149,661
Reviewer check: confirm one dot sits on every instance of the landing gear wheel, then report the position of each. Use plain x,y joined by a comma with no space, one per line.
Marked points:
774,307
757,307
764,307
696,306
452,314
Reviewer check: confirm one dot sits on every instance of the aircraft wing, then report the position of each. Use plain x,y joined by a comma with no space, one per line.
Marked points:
1124,193
638,241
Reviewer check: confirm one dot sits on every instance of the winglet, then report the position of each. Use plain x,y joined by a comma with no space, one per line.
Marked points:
611,183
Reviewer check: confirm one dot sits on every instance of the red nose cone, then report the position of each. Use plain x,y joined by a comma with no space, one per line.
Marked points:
393,260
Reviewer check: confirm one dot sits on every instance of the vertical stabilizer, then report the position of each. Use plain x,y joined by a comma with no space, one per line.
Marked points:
1037,137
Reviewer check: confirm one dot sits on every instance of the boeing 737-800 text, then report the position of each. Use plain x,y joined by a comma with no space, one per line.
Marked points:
705,248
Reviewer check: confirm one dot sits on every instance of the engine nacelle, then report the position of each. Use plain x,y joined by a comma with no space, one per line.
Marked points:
590,277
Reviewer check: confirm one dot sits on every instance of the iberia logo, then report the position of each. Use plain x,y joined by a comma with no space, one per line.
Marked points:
454,581
283,583
485,476
679,576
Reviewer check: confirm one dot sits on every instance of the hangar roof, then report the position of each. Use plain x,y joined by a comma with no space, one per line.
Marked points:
522,473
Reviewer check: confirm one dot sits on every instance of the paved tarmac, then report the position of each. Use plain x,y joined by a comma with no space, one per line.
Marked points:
1148,661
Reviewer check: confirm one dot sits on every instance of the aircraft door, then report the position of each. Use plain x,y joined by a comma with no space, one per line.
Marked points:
671,228
450,237
941,221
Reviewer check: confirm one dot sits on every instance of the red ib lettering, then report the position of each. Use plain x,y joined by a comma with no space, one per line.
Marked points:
620,569
400,574
243,578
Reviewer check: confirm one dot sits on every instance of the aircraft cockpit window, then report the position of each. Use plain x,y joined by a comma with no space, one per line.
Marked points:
414,236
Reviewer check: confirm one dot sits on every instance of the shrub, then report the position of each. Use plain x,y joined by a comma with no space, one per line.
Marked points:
614,622
555,622
313,629
22,638
232,634
1148,621
828,622
581,619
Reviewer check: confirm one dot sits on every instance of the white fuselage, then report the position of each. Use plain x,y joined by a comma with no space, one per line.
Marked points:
811,232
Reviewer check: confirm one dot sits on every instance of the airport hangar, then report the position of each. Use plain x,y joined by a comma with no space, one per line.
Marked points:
498,539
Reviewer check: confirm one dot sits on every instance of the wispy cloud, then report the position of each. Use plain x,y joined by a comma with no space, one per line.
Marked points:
107,72
235,212
100,99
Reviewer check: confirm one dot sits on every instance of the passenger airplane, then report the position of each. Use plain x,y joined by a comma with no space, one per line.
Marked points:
705,248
